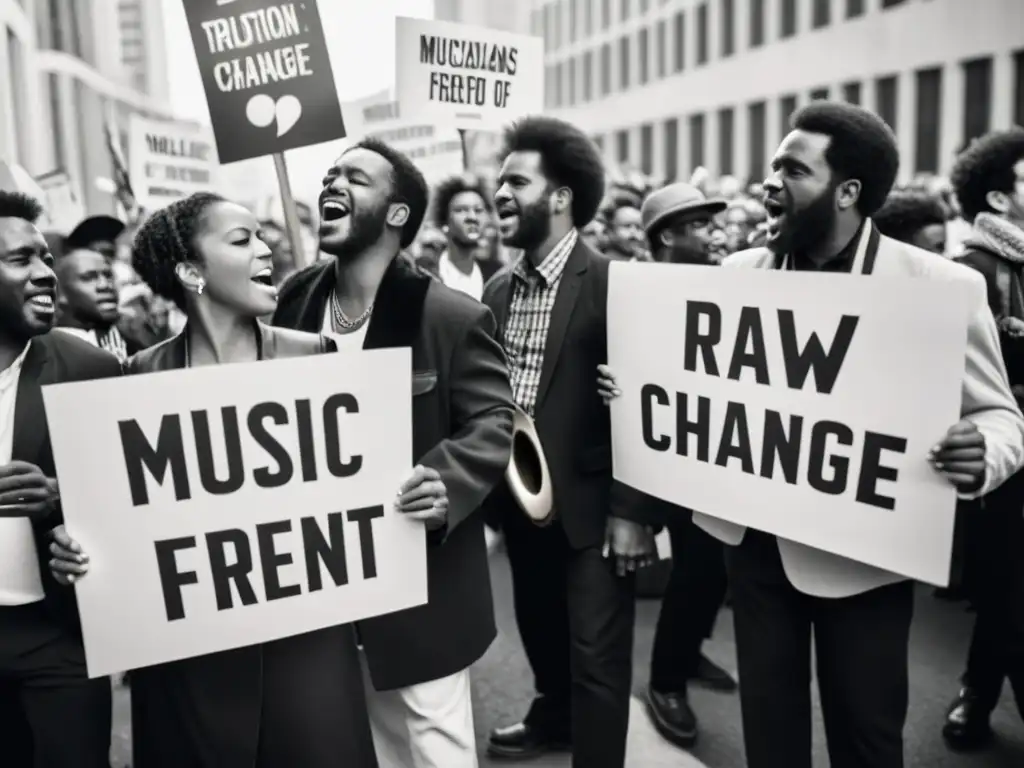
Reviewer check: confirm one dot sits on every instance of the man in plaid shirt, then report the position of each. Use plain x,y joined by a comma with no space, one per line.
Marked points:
573,579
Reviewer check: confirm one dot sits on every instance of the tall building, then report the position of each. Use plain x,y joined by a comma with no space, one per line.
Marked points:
61,76
666,86
143,52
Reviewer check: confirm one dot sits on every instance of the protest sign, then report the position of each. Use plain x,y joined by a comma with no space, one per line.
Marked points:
799,404
229,505
168,161
267,75
468,77
64,208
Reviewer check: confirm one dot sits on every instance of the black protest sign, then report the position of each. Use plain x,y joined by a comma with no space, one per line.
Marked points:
267,75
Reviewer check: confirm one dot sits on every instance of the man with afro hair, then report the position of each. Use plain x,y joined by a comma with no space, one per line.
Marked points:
462,209
574,608
916,218
828,177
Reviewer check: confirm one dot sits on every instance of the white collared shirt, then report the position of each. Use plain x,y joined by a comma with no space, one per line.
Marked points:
20,580
471,284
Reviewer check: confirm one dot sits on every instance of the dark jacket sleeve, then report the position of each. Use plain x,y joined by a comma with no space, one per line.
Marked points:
473,460
1012,347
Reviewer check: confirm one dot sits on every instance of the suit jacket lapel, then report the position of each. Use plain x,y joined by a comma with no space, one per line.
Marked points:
561,314
398,308
314,300
29,414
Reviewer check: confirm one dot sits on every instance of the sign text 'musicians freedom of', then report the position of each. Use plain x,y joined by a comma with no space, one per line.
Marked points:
461,76
267,75
799,404
236,504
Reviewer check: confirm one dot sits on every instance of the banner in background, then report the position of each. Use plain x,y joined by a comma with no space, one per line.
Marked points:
64,209
168,161
469,77
799,404
229,505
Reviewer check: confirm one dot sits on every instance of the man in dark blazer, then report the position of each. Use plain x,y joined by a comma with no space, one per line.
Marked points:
574,604
372,204
51,713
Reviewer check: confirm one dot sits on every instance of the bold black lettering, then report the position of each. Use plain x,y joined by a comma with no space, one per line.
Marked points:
735,442
651,394
170,450
699,428
232,450
171,579
871,469
816,461
365,517
750,330
333,404
318,550
705,342
513,54
285,468
826,365
224,574
428,49
307,446
781,448
271,560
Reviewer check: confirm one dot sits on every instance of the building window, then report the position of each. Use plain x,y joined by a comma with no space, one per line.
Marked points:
573,19
928,119
756,23
887,99
854,8
891,3
851,93
702,34
787,106
696,141
647,148
556,11
679,23
662,52
726,129
606,69
606,13
547,28
671,149
571,73
787,27
728,28
558,84
16,66
642,46
645,6
1018,88
549,86
758,125
821,15
977,97
623,63
588,76
588,17
623,10
819,94
622,146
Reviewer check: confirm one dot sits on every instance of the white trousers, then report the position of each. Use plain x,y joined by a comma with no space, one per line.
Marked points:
429,725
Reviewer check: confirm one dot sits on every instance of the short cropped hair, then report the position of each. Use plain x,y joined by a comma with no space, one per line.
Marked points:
568,158
986,166
906,212
409,184
451,188
863,147
18,205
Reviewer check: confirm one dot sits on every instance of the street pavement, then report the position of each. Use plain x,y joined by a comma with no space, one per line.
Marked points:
502,690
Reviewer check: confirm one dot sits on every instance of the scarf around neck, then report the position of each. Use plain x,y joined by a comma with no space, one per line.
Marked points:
998,236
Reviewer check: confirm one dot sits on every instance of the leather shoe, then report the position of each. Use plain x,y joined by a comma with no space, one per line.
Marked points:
672,717
967,725
523,741
710,675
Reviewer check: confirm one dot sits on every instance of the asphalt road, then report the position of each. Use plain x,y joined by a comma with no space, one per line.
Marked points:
941,631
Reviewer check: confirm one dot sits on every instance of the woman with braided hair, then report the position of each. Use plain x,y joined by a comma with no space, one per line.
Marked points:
284,704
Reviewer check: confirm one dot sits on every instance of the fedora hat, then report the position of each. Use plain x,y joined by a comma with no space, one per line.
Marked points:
675,199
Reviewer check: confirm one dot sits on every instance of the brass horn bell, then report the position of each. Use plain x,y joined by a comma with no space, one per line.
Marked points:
527,473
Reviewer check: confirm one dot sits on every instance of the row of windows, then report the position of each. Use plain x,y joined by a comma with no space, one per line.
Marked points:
977,110
564,22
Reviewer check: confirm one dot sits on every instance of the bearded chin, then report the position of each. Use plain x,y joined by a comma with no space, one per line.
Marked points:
367,229
534,227
815,223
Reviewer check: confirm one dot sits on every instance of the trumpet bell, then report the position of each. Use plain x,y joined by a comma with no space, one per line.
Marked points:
527,473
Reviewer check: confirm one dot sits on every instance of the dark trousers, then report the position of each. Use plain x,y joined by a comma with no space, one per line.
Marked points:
994,578
695,593
51,714
575,618
860,643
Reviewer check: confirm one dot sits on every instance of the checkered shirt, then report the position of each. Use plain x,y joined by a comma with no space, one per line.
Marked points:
529,316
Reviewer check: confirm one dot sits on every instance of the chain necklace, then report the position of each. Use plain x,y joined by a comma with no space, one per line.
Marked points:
341,320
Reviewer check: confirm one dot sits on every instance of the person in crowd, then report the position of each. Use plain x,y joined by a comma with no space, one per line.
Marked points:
429,246
96,233
88,302
52,714
916,218
461,210
574,605
372,204
292,702
625,231
989,182
595,235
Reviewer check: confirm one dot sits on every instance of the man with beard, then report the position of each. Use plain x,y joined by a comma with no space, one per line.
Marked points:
829,175
461,209
372,204
573,580
51,713
88,302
